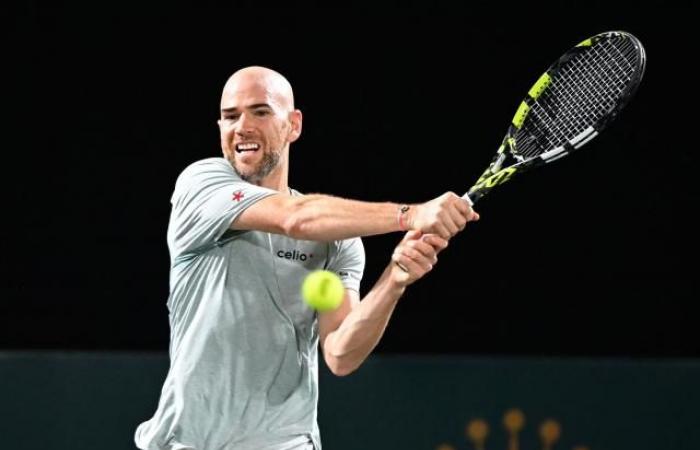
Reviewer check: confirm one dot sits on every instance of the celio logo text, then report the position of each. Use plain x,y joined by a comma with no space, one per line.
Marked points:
294,255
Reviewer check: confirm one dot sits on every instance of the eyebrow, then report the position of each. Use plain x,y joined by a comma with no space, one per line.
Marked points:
254,106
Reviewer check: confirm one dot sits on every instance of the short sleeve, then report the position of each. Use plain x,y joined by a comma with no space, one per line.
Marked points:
207,198
347,259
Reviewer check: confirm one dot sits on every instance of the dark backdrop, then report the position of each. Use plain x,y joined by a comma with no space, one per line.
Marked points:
106,106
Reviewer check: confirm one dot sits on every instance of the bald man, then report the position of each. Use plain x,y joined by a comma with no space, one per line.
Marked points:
244,346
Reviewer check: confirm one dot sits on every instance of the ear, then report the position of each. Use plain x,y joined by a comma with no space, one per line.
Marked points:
295,118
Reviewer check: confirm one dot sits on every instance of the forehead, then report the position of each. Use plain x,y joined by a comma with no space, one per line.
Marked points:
242,93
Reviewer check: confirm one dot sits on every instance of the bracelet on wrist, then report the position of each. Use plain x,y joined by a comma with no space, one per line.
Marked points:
403,209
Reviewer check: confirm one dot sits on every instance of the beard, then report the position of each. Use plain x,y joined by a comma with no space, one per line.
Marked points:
269,162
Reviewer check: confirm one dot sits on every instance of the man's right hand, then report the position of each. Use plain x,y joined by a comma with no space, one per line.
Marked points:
445,216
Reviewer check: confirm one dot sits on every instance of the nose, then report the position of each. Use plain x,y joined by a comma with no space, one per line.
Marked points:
244,124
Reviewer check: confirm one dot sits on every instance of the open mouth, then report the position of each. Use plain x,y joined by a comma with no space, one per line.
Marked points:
247,147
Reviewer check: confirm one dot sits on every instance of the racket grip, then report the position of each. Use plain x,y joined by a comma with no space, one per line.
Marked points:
473,196
468,199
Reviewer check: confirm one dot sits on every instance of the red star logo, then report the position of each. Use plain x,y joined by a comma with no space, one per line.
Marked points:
237,196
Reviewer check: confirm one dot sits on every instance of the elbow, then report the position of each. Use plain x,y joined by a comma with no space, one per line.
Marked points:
297,222
340,368
292,225
341,371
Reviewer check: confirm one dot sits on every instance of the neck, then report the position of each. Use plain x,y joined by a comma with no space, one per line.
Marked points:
278,179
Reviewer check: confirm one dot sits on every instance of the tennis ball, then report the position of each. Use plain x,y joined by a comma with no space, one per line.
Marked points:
322,290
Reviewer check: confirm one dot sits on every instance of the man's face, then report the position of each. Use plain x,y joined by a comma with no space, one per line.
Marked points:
256,128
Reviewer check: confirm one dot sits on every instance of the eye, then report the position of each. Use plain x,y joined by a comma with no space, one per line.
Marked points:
262,112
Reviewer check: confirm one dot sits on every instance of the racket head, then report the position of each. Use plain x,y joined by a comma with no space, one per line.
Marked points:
570,103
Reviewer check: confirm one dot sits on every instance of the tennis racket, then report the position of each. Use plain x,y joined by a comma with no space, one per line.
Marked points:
570,104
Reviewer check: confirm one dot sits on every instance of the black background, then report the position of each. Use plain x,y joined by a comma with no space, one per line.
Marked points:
105,106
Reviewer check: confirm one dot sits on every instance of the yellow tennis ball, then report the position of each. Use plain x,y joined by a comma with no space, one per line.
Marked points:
322,290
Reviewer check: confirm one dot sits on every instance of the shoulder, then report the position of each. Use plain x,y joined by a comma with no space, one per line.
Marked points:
204,176
208,165
207,171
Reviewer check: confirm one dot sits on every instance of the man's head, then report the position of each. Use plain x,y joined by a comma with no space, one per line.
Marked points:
258,122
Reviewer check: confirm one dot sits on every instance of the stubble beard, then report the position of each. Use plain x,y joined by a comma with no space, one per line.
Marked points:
269,162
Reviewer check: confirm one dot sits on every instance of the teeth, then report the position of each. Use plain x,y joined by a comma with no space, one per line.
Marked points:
247,146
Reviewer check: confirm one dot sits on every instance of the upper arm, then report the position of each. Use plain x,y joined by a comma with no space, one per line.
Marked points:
207,199
348,261
329,321
270,214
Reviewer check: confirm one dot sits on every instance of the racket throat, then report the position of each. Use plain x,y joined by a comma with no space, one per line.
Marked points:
488,181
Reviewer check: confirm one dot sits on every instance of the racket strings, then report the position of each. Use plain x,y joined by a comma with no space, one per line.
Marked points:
584,90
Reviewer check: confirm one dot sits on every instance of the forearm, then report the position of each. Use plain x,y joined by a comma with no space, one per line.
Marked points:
326,218
319,217
359,333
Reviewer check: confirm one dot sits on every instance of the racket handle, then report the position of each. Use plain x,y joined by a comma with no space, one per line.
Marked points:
468,199
473,196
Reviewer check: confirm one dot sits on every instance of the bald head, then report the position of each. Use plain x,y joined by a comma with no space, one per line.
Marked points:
257,110
258,81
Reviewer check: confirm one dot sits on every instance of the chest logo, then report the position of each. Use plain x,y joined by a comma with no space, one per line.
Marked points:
294,255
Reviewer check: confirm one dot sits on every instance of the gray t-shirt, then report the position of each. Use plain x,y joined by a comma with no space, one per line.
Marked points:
243,345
